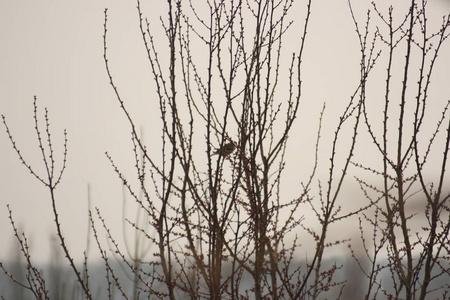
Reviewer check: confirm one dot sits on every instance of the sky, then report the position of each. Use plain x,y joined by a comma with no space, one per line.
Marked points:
53,49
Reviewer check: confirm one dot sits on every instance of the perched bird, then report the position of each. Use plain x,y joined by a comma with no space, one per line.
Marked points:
226,150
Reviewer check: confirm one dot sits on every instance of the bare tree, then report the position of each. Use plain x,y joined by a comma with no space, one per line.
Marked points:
415,256
50,180
219,222
213,210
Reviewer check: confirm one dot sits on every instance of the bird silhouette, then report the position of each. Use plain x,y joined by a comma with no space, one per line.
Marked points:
226,150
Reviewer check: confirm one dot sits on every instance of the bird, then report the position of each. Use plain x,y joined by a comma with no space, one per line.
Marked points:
226,150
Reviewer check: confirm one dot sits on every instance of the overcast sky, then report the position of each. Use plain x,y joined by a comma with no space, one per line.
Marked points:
53,49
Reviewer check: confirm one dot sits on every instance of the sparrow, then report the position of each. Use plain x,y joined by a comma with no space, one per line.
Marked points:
226,150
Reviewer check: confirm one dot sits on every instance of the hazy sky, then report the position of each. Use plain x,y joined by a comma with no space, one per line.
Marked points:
53,49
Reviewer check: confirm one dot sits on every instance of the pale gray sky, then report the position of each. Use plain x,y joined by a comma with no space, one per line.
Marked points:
53,49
